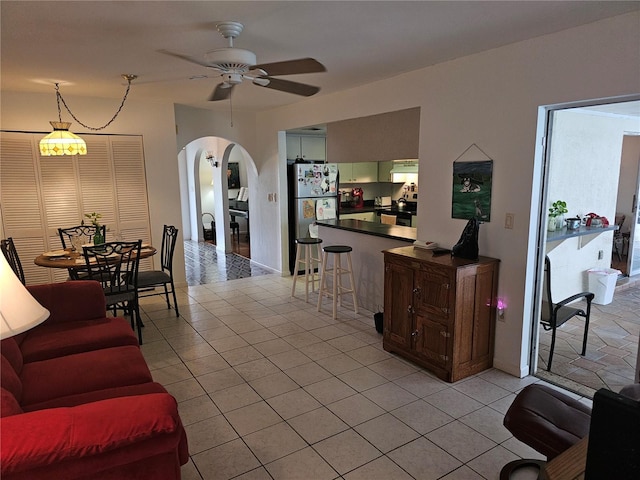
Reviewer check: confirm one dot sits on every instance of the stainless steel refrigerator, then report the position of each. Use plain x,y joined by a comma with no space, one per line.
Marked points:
313,195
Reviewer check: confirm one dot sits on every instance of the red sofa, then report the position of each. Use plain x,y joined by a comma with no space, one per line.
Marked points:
78,400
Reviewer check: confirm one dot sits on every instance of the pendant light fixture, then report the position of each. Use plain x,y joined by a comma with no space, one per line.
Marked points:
63,142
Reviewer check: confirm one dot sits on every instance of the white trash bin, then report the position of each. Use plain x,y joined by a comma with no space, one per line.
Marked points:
602,283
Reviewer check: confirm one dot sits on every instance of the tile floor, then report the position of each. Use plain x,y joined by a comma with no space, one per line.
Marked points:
612,346
269,388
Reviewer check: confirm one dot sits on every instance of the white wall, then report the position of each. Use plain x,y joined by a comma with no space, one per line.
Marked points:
584,168
490,99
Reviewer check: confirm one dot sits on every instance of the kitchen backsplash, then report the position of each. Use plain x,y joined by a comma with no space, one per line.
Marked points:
373,190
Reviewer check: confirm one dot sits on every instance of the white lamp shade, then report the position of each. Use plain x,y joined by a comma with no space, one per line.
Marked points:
19,311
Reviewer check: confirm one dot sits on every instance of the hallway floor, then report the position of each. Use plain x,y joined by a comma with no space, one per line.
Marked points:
612,346
270,389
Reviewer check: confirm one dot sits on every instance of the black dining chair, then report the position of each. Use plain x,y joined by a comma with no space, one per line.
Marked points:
115,266
163,277
85,231
11,254
555,314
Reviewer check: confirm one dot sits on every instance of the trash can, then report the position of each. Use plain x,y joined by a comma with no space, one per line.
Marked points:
602,283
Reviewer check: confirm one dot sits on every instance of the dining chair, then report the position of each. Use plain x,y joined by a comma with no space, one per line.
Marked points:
11,254
163,277
86,231
618,236
555,314
115,266
209,233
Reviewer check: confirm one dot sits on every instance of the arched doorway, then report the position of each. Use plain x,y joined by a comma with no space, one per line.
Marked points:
207,187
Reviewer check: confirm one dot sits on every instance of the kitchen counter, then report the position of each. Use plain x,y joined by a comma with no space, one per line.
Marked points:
368,241
395,232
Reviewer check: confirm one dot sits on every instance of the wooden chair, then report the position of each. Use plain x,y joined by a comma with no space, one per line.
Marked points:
115,266
11,254
164,276
387,219
555,314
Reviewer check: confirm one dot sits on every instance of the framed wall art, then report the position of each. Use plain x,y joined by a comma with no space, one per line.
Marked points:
233,175
471,190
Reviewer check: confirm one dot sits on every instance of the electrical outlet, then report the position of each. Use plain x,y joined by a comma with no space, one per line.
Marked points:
508,221
270,197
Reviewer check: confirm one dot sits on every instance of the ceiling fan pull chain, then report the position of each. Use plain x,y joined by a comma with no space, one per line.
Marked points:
231,110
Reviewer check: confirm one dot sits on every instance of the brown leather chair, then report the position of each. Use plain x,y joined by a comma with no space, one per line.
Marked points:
549,421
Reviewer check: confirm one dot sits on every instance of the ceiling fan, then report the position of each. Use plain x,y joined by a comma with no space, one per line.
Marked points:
236,65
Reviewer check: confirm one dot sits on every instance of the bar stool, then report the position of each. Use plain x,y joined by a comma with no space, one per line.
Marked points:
337,272
305,246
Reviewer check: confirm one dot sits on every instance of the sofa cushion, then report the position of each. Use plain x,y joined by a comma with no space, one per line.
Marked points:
94,437
12,352
71,301
9,379
66,338
8,404
83,372
88,397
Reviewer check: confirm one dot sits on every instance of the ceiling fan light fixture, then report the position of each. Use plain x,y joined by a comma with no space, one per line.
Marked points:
62,142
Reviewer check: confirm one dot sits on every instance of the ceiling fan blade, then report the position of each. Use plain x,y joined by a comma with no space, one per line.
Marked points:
289,86
185,57
291,67
221,92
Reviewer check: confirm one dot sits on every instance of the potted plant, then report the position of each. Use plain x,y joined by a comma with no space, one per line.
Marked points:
556,215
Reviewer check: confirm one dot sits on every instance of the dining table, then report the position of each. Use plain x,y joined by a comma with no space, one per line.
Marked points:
74,260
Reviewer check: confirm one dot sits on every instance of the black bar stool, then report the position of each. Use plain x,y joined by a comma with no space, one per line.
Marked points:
337,271
305,246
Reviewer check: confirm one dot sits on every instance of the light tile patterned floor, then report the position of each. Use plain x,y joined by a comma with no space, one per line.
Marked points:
612,346
268,388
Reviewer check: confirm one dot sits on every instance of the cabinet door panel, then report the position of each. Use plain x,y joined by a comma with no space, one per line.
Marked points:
431,341
398,293
435,292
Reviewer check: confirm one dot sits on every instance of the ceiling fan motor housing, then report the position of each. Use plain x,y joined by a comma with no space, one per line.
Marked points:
235,60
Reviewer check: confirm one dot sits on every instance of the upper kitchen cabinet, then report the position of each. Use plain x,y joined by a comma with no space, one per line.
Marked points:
379,138
359,172
384,171
307,147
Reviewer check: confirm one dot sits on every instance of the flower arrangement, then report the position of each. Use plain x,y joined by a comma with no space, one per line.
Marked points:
94,217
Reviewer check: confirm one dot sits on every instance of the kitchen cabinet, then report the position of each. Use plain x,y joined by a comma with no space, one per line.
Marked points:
384,171
307,147
365,216
439,311
358,172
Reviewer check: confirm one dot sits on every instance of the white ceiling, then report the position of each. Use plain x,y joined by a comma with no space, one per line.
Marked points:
86,45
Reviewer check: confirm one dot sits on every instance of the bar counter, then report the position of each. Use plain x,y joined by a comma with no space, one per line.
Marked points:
395,232
368,240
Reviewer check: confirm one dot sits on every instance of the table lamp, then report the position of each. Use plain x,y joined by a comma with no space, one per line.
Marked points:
19,311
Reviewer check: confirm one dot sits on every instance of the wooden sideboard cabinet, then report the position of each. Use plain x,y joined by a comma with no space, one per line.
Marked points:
439,311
